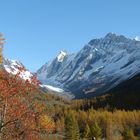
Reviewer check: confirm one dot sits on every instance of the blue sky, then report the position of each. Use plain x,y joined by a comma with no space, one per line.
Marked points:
36,30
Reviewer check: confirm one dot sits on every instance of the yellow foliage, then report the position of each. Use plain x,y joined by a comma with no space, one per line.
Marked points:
1,57
1,48
46,122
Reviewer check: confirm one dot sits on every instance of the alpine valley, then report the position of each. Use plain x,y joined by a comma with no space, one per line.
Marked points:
106,71
100,66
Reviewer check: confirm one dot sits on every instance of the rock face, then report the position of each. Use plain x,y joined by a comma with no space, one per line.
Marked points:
100,66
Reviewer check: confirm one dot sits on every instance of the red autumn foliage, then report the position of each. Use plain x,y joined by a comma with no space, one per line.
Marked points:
34,80
18,116
21,69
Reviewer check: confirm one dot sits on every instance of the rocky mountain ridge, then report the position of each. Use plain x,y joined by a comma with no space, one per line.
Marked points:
98,67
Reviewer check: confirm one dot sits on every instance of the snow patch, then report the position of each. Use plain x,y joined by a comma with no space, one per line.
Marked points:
53,88
137,38
96,49
61,56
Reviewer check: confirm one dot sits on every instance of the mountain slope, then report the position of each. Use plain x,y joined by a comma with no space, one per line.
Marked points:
14,67
126,96
51,70
100,66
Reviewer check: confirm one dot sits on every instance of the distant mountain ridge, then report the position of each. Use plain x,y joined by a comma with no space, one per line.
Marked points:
98,67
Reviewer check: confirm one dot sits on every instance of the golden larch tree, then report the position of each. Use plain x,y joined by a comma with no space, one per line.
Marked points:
1,48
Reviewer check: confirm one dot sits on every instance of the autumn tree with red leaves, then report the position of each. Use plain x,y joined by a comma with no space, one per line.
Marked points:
19,116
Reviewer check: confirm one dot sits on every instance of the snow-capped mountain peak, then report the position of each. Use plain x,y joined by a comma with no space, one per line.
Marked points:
61,56
14,67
